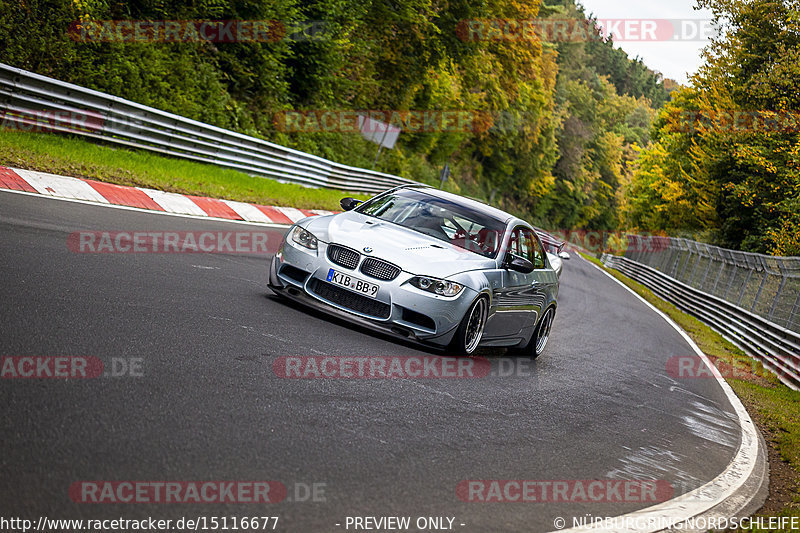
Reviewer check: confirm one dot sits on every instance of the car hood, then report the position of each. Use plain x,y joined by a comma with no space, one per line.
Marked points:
412,251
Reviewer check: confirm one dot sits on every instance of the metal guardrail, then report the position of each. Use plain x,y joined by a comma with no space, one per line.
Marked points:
776,347
33,102
765,285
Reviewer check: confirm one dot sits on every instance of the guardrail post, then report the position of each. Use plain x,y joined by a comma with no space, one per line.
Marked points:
674,255
675,260
777,296
719,275
665,254
794,311
109,119
690,281
760,288
708,269
685,265
744,285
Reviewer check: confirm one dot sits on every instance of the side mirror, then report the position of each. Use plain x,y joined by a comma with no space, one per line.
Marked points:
563,255
520,264
348,204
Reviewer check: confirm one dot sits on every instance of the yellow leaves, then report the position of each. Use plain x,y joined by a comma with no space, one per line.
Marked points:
82,8
663,195
539,188
752,156
518,9
671,191
785,240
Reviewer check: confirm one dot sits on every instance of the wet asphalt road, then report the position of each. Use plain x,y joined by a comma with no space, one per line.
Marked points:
206,403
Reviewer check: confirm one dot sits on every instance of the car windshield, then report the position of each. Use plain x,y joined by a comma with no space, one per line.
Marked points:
439,218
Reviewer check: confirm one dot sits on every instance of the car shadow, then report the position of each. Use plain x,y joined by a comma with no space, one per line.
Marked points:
416,345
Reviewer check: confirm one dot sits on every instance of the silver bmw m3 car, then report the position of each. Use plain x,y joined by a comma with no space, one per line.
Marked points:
426,265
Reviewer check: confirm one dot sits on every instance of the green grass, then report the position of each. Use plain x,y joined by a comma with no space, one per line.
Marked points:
781,408
774,407
76,157
777,413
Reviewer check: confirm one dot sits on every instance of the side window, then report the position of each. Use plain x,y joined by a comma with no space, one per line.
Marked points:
514,243
520,244
533,248
525,246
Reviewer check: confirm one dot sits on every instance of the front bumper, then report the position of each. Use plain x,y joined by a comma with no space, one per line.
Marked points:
398,309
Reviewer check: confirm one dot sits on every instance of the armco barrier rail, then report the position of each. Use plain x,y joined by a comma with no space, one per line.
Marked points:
777,348
32,102
765,285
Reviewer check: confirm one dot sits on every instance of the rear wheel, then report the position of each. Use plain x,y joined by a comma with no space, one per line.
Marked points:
470,332
543,332
541,335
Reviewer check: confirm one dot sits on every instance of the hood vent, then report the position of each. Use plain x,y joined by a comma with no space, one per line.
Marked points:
425,247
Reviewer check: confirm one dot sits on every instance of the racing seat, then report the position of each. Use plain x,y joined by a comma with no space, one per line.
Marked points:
487,240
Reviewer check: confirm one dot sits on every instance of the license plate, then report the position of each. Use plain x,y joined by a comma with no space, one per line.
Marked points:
354,284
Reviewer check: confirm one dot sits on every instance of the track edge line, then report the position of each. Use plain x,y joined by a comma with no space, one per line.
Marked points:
741,487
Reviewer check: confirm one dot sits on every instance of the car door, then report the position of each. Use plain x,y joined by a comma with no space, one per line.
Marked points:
545,279
520,299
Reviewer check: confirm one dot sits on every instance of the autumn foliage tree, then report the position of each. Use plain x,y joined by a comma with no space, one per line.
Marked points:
557,125
725,163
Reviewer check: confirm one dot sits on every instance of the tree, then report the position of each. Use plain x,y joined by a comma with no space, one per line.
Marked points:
733,139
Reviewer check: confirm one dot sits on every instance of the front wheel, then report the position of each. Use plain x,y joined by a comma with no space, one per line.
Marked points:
470,330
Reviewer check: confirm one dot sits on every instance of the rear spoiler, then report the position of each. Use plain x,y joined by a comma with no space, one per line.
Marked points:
551,243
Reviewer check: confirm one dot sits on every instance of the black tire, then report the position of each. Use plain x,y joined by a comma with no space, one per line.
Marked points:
538,342
470,331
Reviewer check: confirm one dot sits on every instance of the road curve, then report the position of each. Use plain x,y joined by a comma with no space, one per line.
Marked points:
599,404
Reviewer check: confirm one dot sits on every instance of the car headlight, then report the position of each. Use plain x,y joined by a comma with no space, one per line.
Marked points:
441,287
304,238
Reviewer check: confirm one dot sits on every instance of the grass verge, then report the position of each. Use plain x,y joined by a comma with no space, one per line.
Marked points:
774,407
71,156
